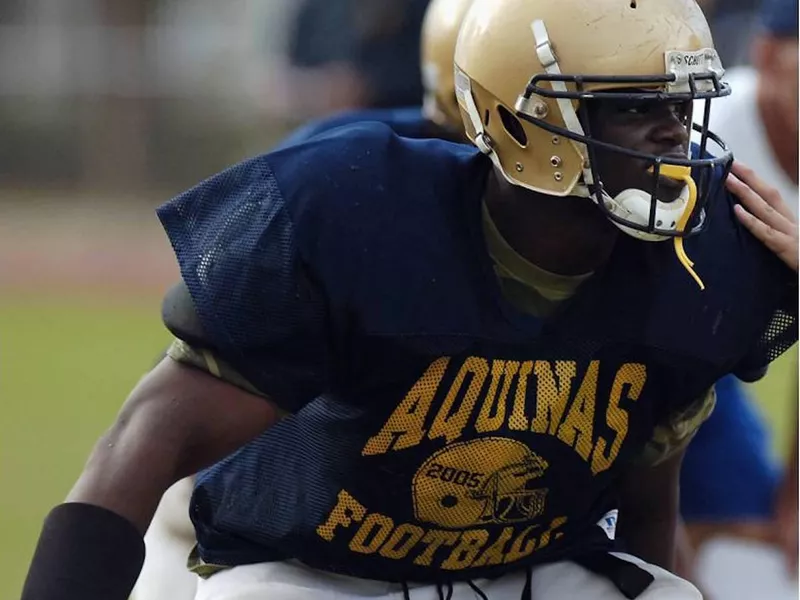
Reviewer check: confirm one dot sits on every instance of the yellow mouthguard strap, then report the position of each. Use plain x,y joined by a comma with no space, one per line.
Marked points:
683,174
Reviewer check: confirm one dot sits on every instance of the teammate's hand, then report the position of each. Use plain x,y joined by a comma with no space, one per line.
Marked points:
765,213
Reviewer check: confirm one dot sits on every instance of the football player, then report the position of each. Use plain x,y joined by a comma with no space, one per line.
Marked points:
419,368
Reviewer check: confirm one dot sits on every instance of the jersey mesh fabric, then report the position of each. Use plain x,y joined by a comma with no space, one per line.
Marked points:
273,308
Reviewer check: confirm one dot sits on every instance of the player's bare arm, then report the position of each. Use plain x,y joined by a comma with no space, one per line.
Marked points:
649,510
176,421
765,213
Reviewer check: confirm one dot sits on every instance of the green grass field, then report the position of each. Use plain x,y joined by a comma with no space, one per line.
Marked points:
66,365
65,369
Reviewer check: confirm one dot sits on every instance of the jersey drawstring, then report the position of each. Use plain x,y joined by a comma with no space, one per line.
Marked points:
478,591
448,594
527,591
630,579
440,589
406,593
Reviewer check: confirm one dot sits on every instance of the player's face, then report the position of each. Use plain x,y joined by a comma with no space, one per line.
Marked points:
657,128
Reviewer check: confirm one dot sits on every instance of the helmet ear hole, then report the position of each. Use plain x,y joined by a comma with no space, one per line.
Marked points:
512,126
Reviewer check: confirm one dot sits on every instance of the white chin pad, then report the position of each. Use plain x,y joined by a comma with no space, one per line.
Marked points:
633,205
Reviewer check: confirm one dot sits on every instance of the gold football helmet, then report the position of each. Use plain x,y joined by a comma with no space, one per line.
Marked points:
489,480
524,69
439,33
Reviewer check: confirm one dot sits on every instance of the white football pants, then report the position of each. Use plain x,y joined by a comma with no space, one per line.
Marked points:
557,581
171,537
168,541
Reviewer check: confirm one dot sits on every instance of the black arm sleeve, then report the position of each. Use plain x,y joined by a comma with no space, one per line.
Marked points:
85,552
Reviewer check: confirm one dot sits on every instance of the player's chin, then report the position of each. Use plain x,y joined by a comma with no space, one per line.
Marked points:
668,189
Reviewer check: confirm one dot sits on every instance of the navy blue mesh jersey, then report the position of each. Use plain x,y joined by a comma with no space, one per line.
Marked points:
436,432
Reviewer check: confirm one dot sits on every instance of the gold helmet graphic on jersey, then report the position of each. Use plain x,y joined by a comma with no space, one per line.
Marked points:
491,480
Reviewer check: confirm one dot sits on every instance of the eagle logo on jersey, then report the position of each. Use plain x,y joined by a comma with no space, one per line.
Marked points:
490,480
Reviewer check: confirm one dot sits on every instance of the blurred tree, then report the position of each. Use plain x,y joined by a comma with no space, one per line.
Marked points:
116,123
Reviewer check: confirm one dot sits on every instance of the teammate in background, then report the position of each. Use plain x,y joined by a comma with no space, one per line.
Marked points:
171,537
439,116
480,365
731,486
349,54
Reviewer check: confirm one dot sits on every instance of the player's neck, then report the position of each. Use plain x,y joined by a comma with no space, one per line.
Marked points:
567,236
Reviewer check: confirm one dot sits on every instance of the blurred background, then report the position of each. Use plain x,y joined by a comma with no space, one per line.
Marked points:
109,108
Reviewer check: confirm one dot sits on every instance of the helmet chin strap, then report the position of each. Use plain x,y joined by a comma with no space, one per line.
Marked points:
634,206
